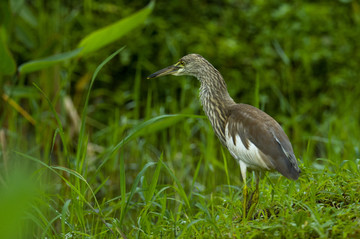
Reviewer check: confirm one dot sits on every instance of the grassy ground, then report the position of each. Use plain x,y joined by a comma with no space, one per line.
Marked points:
85,156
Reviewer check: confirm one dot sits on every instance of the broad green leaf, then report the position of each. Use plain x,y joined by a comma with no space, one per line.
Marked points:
113,32
92,42
36,65
7,63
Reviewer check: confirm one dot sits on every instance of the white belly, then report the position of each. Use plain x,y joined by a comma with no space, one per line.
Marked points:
249,156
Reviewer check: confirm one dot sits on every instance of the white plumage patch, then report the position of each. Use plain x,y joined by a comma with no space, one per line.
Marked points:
250,157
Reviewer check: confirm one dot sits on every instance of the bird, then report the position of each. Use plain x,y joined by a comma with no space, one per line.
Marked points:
252,137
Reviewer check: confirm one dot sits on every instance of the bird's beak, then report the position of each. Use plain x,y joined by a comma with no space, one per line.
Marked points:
166,71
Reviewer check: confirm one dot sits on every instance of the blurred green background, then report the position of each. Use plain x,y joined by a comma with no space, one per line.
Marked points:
296,60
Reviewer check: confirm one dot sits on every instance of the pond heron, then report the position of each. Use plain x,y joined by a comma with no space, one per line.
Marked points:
252,137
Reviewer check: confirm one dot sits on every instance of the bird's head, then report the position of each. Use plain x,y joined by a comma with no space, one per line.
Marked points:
191,64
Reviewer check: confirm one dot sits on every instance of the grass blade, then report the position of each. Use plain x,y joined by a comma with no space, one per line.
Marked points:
154,180
18,108
61,130
81,148
195,176
122,185
180,187
133,190
64,211
73,173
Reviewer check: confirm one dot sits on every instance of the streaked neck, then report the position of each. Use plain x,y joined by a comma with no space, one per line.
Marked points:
215,100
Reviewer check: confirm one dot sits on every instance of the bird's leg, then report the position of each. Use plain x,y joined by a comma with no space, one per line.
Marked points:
243,168
245,196
254,198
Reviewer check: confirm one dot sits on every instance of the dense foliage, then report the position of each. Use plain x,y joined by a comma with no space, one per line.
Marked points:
138,158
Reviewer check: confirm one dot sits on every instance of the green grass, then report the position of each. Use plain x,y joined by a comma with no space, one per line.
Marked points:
91,149
188,187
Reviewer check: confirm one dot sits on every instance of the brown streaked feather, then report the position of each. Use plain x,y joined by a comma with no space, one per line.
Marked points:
254,125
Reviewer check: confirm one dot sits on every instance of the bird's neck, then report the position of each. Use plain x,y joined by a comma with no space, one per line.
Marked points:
215,94
213,91
215,100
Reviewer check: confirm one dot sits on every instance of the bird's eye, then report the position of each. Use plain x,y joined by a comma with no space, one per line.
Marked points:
182,63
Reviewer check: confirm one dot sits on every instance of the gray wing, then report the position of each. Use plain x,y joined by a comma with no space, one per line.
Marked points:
254,125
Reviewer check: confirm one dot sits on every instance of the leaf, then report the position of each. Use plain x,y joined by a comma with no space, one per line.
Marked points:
36,65
7,63
113,32
90,43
